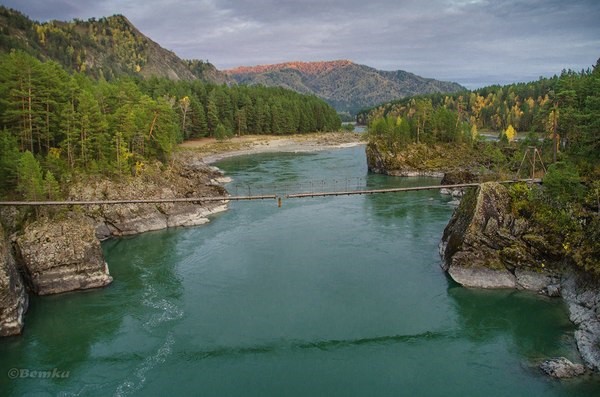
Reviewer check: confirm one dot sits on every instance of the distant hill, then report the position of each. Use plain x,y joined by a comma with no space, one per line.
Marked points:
110,47
107,47
347,86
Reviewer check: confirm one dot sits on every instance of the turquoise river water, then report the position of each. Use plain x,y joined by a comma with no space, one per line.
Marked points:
322,297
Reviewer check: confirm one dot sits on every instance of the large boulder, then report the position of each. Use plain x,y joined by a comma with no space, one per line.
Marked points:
62,255
486,246
13,297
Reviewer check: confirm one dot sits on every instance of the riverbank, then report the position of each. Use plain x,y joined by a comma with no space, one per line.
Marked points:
210,150
46,251
56,250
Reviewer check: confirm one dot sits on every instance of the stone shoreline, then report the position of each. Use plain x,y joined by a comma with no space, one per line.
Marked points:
211,151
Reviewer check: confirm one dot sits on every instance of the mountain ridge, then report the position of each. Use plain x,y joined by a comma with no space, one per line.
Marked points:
111,47
346,85
107,47
302,66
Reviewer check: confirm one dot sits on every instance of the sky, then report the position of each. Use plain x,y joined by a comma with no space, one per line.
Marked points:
472,42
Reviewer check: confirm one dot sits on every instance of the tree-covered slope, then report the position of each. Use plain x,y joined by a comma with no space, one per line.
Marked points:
559,116
107,47
345,85
54,124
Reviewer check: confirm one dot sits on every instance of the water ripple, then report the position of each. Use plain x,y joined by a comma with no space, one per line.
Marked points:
324,345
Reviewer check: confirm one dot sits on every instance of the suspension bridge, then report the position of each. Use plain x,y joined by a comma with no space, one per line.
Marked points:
325,191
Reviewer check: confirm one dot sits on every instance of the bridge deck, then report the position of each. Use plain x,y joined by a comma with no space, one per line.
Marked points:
401,189
250,197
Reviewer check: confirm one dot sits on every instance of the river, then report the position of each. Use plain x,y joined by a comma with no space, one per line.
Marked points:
321,297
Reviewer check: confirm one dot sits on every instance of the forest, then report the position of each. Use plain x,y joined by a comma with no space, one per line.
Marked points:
559,116
568,104
55,124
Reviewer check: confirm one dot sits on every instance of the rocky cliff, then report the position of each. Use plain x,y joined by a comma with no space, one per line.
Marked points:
13,297
461,162
186,176
410,162
582,295
61,255
485,245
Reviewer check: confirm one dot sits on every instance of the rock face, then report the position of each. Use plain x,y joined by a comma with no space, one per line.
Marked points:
186,177
13,297
62,255
486,246
560,368
582,295
380,162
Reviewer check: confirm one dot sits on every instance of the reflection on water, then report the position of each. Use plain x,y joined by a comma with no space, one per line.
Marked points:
485,315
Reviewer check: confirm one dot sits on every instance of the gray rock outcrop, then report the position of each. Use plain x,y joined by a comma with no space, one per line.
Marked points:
582,296
381,162
486,246
13,296
186,177
62,255
60,251
560,367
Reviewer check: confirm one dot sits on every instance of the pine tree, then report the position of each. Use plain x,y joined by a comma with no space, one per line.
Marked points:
51,187
30,179
212,113
9,158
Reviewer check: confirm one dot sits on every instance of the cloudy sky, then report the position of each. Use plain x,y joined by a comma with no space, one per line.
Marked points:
472,42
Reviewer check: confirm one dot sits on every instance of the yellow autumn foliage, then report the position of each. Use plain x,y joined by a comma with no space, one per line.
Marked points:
511,133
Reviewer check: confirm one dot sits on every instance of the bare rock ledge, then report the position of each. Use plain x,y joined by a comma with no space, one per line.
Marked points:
62,255
13,296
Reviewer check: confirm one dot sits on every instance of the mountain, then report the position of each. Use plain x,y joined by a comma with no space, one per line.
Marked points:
111,47
108,47
347,86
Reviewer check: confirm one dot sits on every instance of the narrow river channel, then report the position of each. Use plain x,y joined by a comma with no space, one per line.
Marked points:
321,297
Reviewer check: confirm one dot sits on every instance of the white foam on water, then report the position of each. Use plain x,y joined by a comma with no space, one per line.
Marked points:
167,311
136,381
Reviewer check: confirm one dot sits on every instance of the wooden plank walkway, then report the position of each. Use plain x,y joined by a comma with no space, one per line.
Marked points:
140,201
401,189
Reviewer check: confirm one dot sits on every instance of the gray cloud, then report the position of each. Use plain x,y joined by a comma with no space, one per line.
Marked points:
473,42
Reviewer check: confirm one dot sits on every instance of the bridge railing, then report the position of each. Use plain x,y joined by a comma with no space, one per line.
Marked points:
312,189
